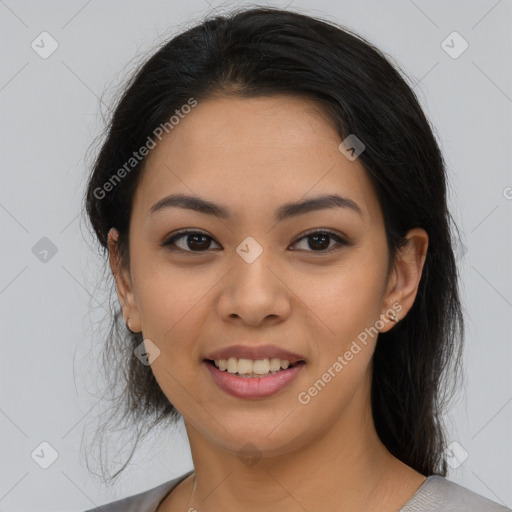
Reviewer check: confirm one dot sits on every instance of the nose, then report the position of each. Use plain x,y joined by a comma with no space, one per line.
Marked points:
254,291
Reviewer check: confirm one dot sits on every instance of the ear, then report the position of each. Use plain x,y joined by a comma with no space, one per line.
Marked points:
123,283
405,277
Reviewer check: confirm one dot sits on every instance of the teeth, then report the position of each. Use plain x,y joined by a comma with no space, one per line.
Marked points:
252,368
274,364
260,366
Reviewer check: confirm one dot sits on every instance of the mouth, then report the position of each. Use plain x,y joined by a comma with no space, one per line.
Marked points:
253,379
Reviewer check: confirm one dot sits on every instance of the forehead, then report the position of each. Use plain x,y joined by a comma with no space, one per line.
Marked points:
254,154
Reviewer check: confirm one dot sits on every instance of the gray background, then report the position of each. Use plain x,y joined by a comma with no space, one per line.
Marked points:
50,114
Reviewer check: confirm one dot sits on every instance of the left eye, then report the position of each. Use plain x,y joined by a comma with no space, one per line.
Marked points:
318,241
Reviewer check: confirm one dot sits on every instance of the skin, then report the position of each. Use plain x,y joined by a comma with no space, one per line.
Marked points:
253,155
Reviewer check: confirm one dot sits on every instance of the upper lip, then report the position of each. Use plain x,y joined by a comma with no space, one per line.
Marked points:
251,352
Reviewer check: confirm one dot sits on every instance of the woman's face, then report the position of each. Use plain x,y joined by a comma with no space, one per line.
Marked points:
257,279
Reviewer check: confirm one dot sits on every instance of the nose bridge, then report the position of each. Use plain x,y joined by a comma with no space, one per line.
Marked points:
251,261
250,250
253,291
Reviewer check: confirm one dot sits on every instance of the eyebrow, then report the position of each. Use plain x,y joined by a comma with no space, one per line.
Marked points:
284,212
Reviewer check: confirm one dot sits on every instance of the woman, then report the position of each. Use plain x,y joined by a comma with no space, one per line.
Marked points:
273,203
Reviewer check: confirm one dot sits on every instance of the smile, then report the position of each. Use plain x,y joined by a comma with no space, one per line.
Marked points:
246,378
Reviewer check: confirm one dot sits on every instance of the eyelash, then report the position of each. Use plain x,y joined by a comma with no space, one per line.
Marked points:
170,242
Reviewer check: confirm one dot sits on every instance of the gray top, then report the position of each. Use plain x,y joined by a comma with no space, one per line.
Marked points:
436,494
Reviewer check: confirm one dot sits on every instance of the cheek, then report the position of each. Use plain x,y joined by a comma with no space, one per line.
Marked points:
172,306
346,298
167,295
346,306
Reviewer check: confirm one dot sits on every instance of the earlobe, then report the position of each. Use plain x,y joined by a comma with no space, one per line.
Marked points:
406,276
123,285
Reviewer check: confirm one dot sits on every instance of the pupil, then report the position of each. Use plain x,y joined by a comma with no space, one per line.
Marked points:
315,238
195,238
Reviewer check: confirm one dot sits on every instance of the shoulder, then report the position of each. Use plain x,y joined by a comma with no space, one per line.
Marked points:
146,501
439,494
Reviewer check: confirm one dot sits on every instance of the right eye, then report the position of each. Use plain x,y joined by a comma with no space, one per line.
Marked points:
183,241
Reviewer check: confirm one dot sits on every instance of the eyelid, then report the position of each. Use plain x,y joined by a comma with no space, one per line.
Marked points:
334,234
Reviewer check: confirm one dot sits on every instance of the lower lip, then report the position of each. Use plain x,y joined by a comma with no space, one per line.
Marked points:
253,387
